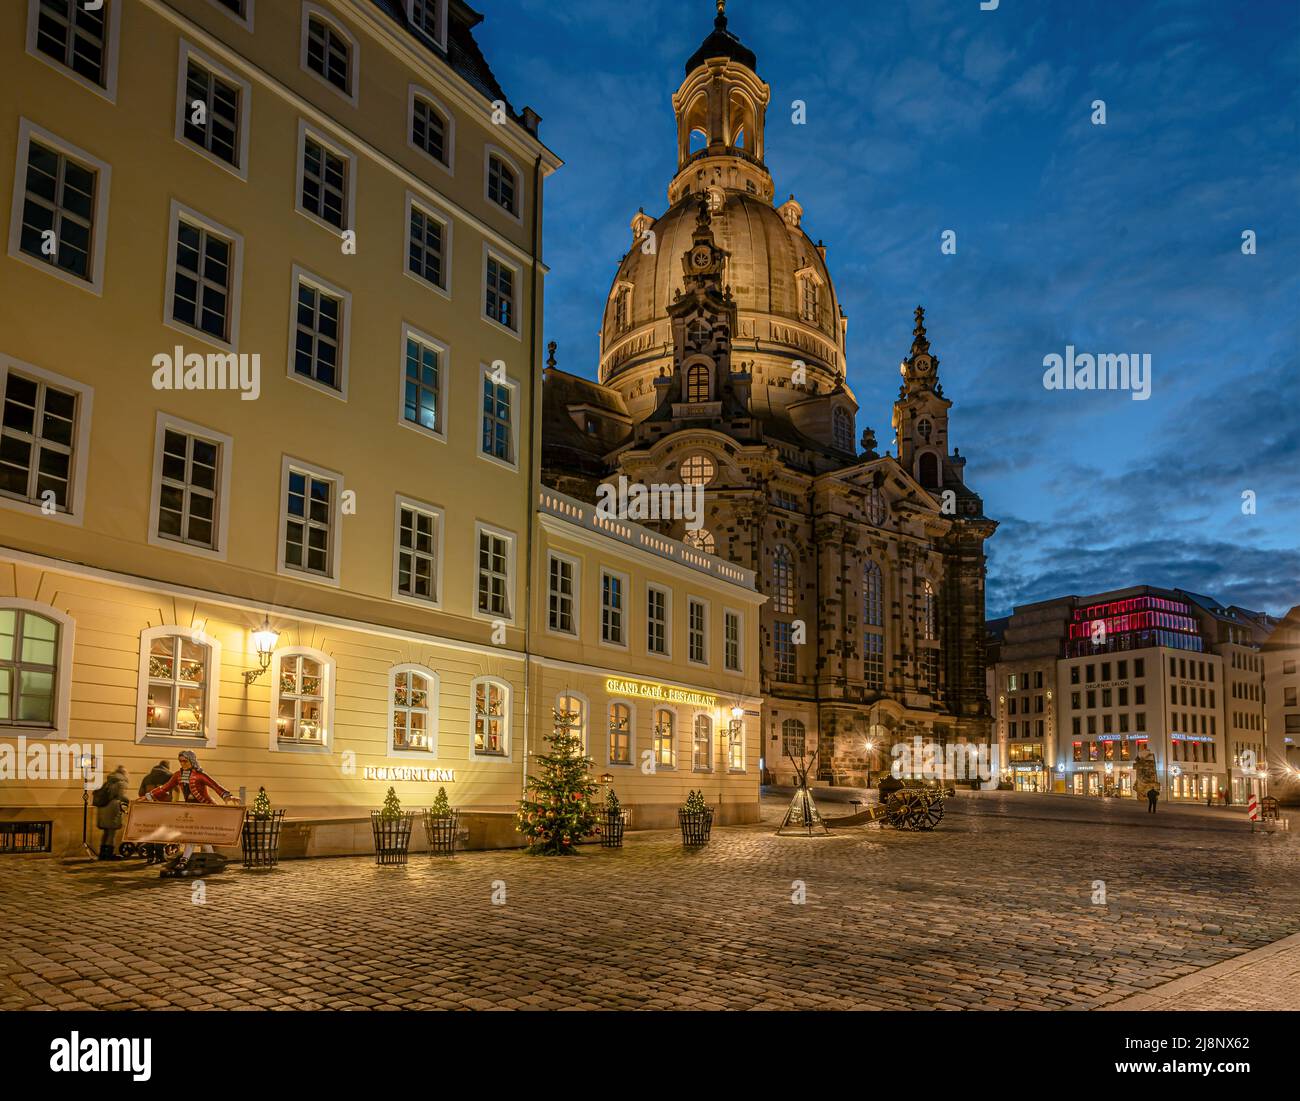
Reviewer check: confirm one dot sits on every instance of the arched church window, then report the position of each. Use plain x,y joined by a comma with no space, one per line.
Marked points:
697,470
700,540
928,470
929,612
924,429
697,383
872,595
793,733
698,333
621,302
873,633
877,507
783,581
842,426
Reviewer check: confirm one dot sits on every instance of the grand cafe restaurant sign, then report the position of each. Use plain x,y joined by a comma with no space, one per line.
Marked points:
665,693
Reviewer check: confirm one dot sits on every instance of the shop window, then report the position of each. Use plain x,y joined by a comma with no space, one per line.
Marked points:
301,701
573,710
491,717
665,738
703,744
178,697
620,734
35,667
413,717
736,745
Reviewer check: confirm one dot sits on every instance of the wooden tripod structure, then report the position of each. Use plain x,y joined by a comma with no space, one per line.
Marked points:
802,812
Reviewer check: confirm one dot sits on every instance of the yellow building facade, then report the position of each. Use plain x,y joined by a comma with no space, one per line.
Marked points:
269,364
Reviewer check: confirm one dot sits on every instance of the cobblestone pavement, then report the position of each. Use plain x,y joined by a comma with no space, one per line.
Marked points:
990,911
1267,978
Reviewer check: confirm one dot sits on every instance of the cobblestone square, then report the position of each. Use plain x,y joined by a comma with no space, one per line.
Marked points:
993,910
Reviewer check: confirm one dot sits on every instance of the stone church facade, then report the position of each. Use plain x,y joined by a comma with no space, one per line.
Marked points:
723,364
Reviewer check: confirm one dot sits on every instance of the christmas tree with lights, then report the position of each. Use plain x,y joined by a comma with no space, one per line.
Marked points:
558,811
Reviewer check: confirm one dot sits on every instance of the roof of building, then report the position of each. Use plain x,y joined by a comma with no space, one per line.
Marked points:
722,43
566,445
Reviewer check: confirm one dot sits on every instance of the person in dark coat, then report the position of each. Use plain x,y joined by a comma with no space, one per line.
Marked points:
158,775
111,800
1153,794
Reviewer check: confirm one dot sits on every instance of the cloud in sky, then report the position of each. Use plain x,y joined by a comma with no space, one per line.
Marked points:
926,116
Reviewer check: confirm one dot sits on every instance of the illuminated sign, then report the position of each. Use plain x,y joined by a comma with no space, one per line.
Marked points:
427,775
1191,737
648,690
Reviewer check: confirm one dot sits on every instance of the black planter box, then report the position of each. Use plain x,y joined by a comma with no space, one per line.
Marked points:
612,825
392,837
441,832
262,840
696,826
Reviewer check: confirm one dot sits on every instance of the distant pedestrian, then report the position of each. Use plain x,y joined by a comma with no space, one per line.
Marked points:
1152,795
110,800
158,776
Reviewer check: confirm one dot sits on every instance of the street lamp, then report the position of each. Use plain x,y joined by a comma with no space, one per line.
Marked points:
264,639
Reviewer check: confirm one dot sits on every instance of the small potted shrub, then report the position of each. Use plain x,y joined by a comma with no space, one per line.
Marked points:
262,833
440,825
612,823
696,819
392,829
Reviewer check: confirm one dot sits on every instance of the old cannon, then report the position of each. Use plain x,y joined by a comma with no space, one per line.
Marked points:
904,804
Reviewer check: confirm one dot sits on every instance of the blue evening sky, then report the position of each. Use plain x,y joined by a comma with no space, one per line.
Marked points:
928,115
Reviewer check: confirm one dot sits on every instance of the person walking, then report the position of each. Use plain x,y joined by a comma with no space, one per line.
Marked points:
158,775
1153,794
110,800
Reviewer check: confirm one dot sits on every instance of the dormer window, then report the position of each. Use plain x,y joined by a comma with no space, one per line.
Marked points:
697,383
429,18
810,299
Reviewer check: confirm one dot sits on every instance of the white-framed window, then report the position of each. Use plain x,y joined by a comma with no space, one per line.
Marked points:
620,743
697,631
665,737
575,705
732,636
702,741
241,11
658,619
426,370
189,506
310,521
495,571
613,608
502,182
785,662
842,428
417,553
177,698
736,745
213,106
562,580
500,291
59,218
77,39
429,17
491,718
498,441
431,128
302,699
793,735
428,244
204,268
44,441
319,331
412,711
35,668
326,173
329,51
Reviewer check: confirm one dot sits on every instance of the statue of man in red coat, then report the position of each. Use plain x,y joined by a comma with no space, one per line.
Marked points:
195,786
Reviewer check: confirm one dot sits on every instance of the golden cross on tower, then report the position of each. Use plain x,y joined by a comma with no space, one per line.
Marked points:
722,7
